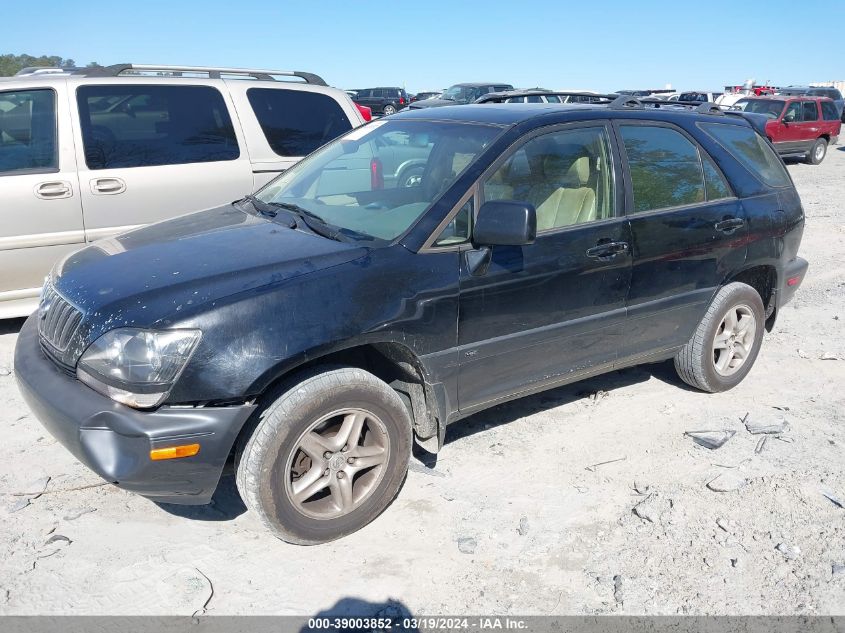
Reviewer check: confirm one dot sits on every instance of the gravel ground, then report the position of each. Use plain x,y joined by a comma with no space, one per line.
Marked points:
514,519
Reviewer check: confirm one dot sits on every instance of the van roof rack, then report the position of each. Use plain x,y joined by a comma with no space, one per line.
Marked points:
116,70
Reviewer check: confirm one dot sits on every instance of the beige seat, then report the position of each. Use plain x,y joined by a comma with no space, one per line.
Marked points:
564,199
497,188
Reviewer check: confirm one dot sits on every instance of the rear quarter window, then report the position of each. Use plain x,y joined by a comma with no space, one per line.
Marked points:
296,122
752,151
829,112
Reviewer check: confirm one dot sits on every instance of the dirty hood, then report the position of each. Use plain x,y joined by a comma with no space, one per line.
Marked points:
177,266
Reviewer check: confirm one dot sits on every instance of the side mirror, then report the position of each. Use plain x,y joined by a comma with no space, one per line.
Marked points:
505,223
789,118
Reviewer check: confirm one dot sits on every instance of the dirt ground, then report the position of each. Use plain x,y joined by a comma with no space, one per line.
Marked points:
514,518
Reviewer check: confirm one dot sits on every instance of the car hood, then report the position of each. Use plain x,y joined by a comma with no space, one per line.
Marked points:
170,269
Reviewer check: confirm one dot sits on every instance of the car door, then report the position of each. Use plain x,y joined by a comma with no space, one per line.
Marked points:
810,127
178,151
688,233
552,311
41,213
788,136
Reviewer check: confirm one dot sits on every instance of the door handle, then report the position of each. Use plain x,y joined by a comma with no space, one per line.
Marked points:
107,186
53,190
729,225
607,250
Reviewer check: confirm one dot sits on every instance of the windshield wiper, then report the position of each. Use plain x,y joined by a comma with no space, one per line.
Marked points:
313,221
268,210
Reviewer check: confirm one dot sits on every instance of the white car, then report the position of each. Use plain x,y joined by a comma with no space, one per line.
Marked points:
89,153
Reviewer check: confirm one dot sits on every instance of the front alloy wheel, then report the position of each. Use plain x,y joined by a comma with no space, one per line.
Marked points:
325,455
338,463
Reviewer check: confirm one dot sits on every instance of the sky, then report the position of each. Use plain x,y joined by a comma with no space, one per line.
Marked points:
603,45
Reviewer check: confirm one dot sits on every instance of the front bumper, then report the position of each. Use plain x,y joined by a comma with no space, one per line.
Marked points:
115,441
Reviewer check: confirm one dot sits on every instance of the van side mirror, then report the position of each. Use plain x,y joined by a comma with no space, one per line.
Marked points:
505,223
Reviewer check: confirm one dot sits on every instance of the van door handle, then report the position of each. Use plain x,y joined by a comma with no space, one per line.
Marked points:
607,250
54,190
729,225
107,186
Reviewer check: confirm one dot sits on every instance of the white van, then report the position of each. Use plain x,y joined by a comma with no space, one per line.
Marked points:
89,153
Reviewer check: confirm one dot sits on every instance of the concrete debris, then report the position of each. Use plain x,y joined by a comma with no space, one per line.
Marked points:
833,497
726,482
803,354
761,444
467,545
711,439
75,514
789,552
724,525
652,508
617,589
58,538
837,569
592,467
17,504
757,426
5,371
828,356
642,488
523,526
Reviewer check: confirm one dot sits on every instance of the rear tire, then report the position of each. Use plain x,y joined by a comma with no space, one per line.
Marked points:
326,456
389,109
817,152
726,342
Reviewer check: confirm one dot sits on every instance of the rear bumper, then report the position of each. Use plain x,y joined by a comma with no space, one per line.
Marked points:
115,441
793,275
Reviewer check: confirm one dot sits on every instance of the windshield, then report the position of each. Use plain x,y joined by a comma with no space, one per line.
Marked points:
376,181
771,108
461,93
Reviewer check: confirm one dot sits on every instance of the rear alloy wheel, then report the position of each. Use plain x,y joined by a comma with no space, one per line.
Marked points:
389,109
327,456
818,152
726,342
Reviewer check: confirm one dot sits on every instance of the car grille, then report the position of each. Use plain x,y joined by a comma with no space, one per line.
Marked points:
58,319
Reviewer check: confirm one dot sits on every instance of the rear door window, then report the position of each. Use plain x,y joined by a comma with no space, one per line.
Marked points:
665,168
751,151
296,122
144,126
28,132
809,111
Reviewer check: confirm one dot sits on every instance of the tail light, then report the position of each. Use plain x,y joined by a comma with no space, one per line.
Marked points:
366,112
401,100
376,174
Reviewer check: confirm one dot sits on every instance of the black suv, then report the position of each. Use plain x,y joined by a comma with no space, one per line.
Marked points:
382,101
314,330
461,94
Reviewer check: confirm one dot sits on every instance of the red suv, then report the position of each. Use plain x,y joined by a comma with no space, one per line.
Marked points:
799,126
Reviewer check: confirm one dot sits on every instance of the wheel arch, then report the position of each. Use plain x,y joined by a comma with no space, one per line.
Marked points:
391,361
764,279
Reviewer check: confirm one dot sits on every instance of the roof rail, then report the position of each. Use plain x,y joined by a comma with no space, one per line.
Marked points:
498,97
117,70
625,102
44,70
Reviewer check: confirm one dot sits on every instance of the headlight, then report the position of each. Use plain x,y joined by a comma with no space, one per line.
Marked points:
136,367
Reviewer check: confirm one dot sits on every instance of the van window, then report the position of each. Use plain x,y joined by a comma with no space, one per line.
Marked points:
143,126
751,151
665,168
296,122
28,131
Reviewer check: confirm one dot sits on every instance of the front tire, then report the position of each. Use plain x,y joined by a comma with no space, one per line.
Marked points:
726,342
817,152
326,457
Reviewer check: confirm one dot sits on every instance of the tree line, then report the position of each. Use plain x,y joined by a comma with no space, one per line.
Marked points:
10,64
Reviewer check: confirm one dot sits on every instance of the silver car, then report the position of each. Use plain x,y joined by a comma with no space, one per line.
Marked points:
90,153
